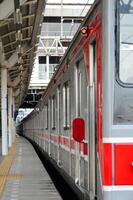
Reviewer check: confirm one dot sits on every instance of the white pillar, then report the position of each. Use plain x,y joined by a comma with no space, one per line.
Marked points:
10,116
4,110
47,63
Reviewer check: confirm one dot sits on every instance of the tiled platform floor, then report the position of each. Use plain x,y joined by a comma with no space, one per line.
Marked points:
23,177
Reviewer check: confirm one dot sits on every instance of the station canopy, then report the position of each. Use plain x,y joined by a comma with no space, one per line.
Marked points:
20,26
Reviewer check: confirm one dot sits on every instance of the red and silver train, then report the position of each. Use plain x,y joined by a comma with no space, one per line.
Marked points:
84,121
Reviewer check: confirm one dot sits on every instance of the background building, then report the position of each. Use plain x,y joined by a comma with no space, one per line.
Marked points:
60,23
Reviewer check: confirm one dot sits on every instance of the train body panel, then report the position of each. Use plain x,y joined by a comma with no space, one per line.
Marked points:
86,86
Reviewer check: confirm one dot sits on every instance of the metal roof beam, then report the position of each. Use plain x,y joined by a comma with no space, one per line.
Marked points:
9,52
13,58
17,80
14,72
13,32
7,20
30,2
8,44
11,43
39,12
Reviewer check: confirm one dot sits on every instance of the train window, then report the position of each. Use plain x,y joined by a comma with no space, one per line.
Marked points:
47,116
78,91
66,105
53,108
125,41
58,103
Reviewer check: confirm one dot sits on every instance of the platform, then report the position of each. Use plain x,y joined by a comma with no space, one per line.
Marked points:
23,176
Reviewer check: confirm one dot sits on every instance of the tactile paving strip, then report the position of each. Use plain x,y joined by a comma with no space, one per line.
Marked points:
27,178
5,167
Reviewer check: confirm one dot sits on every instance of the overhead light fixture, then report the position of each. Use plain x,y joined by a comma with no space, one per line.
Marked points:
17,13
20,60
19,49
18,35
18,17
21,67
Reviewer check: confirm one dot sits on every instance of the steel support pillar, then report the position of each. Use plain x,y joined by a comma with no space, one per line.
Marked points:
4,111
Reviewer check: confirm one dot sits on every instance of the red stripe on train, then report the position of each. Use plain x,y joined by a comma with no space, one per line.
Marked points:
123,164
107,164
66,141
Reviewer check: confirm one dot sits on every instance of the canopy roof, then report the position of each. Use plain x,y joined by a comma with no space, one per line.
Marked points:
20,26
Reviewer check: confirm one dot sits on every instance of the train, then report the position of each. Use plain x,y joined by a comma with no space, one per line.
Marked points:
84,120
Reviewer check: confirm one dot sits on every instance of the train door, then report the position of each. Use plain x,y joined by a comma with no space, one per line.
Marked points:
49,125
81,112
92,120
59,123
78,112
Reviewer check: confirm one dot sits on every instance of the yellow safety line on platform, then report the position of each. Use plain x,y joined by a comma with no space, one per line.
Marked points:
5,167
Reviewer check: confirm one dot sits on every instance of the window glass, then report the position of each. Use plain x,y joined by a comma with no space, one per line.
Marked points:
42,71
46,116
58,105
53,112
126,41
78,90
66,105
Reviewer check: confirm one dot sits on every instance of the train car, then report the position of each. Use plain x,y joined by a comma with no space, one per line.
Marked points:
84,121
